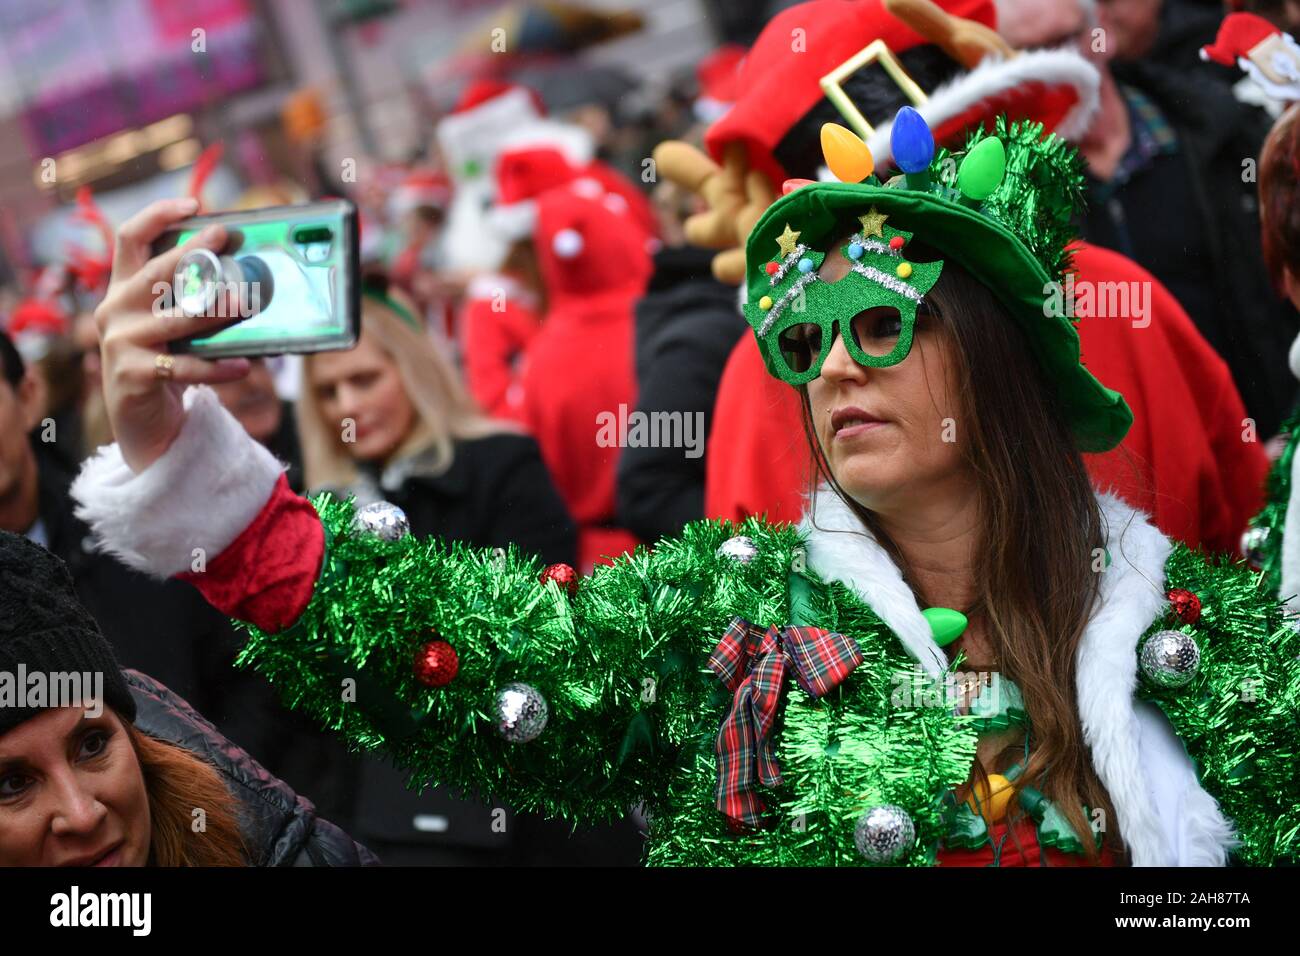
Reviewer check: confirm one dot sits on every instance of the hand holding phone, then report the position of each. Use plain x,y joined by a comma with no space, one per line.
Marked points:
142,380
286,281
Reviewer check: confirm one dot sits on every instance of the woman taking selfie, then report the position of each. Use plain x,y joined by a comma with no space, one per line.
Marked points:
126,774
964,655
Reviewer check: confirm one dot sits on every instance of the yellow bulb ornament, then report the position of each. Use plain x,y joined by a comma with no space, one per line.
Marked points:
991,801
845,153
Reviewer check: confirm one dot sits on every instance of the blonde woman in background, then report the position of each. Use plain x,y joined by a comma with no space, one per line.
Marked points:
390,420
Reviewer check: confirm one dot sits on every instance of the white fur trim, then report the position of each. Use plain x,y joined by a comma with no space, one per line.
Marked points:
1287,92
1164,816
1194,829
514,221
204,490
994,76
479,132
841,549
1289,586
1132,595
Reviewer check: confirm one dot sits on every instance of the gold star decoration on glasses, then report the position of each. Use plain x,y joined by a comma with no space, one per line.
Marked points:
873,223
787,240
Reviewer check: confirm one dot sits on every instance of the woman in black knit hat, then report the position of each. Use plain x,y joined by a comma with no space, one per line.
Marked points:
104,767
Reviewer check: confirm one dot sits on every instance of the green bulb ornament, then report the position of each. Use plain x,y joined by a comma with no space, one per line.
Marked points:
945,624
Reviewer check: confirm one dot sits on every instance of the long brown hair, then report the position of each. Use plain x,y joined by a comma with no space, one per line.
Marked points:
1040,530
1279,194
179,783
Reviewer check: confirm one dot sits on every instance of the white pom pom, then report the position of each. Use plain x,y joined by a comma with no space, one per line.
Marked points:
567,243
615,203
587,188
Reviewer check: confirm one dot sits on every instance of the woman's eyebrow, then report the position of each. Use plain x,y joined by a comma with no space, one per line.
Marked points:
10,764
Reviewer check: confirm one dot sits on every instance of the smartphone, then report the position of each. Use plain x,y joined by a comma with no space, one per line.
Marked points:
293,274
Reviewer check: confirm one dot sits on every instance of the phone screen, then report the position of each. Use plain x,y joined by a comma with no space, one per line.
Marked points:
302,263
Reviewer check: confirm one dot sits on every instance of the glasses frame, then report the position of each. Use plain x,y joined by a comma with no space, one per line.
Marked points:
781,369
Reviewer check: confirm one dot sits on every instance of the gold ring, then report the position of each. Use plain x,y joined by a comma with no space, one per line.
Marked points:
163,364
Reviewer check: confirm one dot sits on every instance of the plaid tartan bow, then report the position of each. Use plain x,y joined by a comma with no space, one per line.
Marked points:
752,663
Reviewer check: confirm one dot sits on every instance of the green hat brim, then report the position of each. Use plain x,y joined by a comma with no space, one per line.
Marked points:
1098,416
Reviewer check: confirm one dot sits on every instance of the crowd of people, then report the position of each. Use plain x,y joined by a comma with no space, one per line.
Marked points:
532,281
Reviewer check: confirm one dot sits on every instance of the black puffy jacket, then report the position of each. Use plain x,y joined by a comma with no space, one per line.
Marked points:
279,827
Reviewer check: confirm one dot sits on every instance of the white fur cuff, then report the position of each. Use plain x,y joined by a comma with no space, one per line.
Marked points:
188,505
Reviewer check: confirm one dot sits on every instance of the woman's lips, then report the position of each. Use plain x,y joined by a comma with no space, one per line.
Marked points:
852,431
112,858
849,421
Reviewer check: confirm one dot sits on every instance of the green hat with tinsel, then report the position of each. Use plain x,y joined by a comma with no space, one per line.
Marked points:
1002,209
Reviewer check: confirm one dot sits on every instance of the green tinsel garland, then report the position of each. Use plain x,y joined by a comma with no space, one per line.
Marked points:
1273,515
1041,192
634,710
1239,718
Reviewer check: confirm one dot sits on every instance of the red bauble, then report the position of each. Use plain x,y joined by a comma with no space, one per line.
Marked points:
1185,605
772,267
436,664
563,575
896,243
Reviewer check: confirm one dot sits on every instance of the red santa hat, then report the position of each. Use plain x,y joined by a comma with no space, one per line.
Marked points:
1239,33
588,245
33,316
522,175
782,74
480,91
718,75
471,141
1259,48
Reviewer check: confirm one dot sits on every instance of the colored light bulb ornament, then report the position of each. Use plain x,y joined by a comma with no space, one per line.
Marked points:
912,144
846,154
946,624
981,171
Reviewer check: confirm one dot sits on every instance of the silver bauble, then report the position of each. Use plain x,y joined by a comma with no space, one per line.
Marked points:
884,834
521,712
1252,546
1170,658
383,520
740,548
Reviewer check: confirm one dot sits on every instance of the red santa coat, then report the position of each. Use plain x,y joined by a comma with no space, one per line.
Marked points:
497,322
579,367
1184,461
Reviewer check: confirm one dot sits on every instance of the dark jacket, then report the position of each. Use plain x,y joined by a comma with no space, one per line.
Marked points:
279,827
1192,219
496,492
687,323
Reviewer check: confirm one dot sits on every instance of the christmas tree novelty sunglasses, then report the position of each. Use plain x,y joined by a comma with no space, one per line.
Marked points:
875,304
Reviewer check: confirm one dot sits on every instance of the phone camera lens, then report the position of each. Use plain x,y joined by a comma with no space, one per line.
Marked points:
202,277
